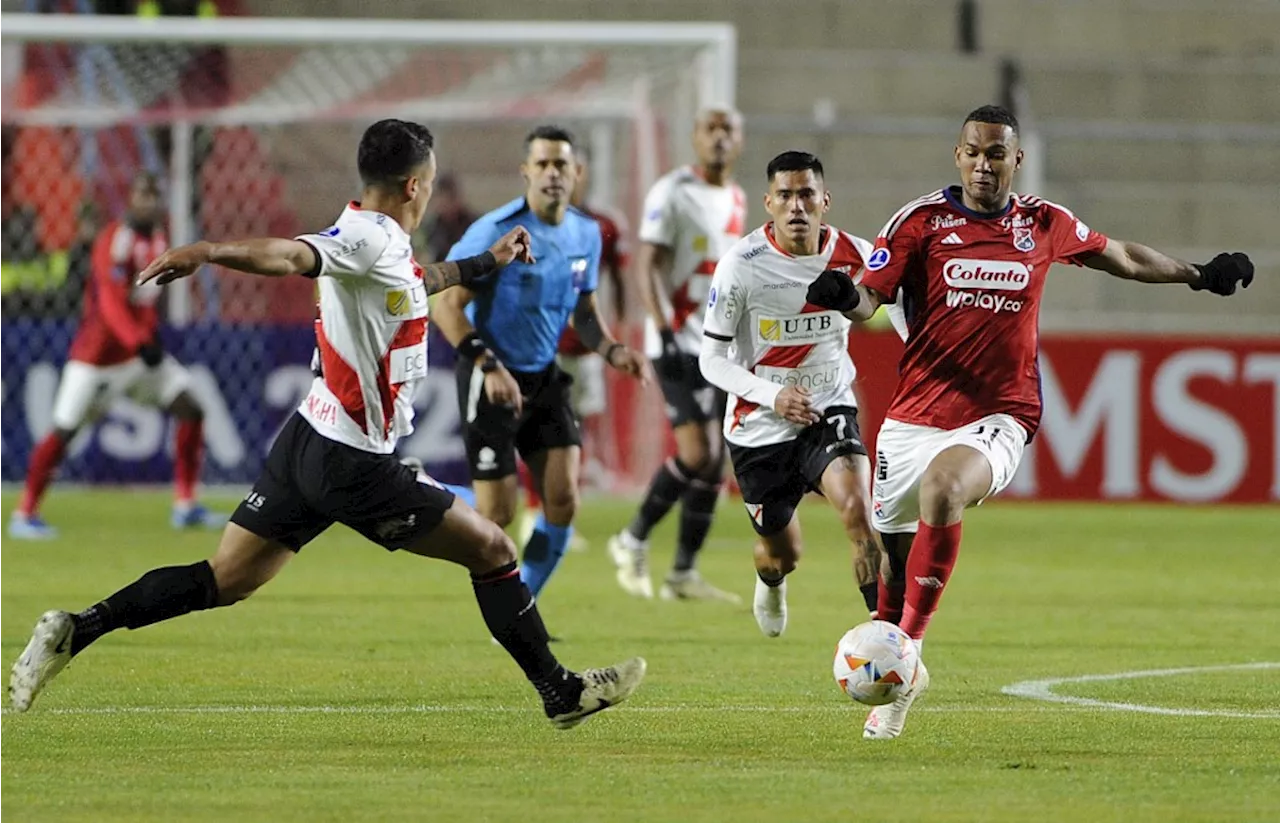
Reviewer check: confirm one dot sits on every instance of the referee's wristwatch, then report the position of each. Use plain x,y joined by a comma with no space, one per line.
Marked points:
489,364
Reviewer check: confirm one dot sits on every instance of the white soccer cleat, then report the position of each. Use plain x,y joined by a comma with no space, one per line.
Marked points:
46,655
770,608
690,585
602,688
887,722
631,556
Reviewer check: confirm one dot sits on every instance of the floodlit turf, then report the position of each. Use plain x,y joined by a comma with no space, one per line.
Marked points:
362,686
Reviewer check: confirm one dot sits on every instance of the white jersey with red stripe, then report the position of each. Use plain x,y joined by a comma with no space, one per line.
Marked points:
758,301
698,221
371,332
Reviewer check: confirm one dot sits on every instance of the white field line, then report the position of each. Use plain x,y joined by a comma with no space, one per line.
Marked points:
443,709
1044,690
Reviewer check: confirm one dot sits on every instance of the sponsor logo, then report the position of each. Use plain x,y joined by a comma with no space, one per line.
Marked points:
878,259
929,582
348,249
754,251
654,214
321,410
947,221
405,303
487,459
731,302
1082,231
1017,221
700,244
711,298
779,286
816,378
798,329
756,511
877,509
1004,275
1022,240
332,231
255,501
408,363
991,302
952,239
396,528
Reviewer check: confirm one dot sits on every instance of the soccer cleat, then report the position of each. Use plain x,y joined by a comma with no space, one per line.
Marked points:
47,653
887,722
195,516
602,688
631,556
770,608
689,585
30,527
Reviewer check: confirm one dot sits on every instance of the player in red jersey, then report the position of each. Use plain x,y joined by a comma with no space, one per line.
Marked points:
967,264
116,351
589,390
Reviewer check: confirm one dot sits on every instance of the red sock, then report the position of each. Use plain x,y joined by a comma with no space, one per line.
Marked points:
933,555
44,462
189,451
889,598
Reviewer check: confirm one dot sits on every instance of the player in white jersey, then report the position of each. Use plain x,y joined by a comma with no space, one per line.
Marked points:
792,423
333,460
691,218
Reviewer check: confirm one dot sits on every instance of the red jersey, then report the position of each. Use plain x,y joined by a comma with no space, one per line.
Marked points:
118,317
615,256
970,285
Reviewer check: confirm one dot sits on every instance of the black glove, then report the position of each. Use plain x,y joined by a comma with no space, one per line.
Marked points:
671,361
151,353
833,290
1221,274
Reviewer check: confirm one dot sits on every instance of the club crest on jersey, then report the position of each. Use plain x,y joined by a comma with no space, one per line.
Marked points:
1022,240
578,265
878,259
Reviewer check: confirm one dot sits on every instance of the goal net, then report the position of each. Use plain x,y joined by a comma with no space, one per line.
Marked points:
251,124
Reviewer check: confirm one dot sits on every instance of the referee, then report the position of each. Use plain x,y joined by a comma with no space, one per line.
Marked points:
512,395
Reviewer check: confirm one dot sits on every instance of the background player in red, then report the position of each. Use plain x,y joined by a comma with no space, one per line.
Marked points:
968,264
590,389
116,351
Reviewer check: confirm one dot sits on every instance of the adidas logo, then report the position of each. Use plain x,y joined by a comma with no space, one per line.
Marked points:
930,582
952,239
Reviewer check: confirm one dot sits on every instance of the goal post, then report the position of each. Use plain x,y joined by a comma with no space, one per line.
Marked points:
251,125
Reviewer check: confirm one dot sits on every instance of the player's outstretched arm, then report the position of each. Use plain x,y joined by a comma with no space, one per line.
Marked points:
591,330
1134,261
267,256
469,271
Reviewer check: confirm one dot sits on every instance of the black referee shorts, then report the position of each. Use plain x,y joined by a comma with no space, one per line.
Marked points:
493,434
311,482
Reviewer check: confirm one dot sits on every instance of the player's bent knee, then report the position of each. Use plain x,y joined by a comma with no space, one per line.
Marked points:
496,549
561,507
942,493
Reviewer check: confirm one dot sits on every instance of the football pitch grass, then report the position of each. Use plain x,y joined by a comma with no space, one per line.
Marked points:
362,685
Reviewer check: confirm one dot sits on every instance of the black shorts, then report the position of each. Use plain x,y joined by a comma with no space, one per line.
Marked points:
774,478
493,434
311,482
691,399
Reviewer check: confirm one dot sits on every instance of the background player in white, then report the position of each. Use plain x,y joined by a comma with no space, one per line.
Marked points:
969,264
334,461
792,423
691,217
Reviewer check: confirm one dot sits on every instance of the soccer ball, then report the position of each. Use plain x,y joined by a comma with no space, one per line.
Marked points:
875,663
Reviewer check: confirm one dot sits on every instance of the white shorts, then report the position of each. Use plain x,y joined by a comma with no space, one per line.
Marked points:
86,391
589,393
905,450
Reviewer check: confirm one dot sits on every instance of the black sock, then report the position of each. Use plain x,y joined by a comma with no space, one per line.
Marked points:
160,594
697,509
667,486
512,617
870,592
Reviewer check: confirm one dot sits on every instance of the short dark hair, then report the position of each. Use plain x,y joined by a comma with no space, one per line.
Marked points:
558,134
993,114
794,161
391,149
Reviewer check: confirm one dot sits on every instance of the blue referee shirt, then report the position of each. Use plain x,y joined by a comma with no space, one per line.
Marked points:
521,310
